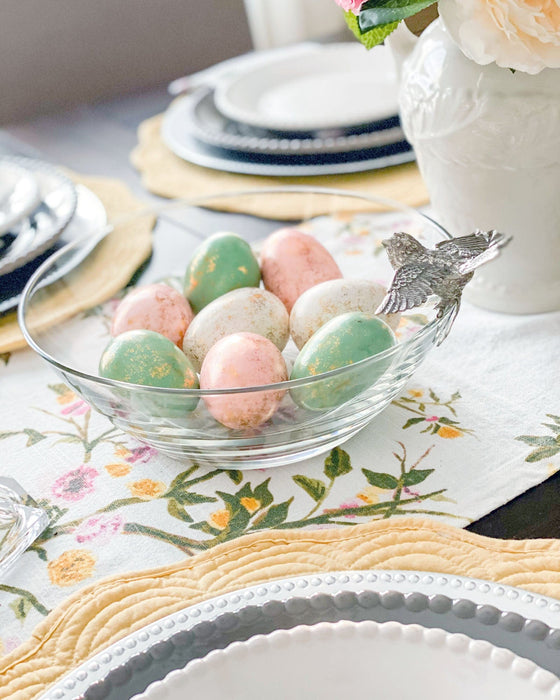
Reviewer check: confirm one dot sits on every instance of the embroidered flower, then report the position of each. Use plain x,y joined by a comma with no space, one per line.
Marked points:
250,504
75,484
432,419
370,494
118,469
141,454
219,519
99,527
147,489
71,567
417,393
78,408
448,432
519,34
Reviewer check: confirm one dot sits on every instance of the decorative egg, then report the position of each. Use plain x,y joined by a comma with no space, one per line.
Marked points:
155,307
292,261
342,341
242,310
237,361
319,304
149,358
221,263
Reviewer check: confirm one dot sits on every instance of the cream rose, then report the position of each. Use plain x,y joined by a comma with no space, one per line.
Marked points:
519,34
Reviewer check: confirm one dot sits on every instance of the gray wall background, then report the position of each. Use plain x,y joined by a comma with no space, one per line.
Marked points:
58,53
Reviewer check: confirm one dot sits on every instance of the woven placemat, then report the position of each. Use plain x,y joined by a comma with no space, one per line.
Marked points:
106,270
101,614
167,175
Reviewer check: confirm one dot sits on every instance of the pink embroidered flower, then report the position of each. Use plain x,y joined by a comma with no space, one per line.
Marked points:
78,408
141,454
75,484
348,504
432,419
99,527
350,5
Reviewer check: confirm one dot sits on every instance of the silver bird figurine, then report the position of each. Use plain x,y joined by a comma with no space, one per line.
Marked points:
421,272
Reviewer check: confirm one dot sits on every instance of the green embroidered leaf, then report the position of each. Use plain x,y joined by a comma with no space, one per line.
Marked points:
175,510
3,436
413,421
235,475
456,396
313,487
39,551
552,426
21,607
337,463
381,480
435,398
441,497
263,495
59,389
206,528
541,440
422,407
448,421
556,419
180,479
378,12
374,36
542,453
33,437
245,491
416,476
274,516
5,357
186,498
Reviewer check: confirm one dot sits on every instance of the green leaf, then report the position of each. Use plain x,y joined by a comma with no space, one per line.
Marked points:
206,528
5,357
21,607
174,509
59,389
541,440
313,487
40,552
274,516
33,437
448,421
381,12
381,480
186,498
552,426
374,36
441,497
422,407
245,491
337,463
435,398
556,419
235,475
412,421
416,476
263,495
542,453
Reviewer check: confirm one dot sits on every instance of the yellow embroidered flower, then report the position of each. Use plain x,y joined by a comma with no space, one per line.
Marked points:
67,397
370,494
219,519
417,393
118,469
449,432
122,452
147,489
250,504
71,567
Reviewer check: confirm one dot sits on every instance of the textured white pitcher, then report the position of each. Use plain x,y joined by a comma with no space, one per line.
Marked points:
488,146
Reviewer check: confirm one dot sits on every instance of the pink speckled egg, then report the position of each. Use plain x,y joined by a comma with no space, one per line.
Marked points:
292,261
237,361
155,307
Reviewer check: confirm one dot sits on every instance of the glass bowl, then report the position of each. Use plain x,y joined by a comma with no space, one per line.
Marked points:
176,421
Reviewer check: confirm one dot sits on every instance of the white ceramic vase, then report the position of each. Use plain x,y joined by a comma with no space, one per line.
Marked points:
488,145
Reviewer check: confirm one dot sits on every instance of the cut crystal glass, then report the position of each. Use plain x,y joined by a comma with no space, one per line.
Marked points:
21,522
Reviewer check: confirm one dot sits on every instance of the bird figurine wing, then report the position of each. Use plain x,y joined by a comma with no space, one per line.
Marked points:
412,284
473,245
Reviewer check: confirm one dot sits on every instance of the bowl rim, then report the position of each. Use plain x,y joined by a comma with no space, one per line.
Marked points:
432,327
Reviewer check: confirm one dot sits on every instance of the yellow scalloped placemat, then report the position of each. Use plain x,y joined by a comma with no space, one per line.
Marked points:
106,270
167,175
101,614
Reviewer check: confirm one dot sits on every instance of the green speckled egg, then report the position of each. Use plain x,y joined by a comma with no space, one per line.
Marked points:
222,263
149,358
342,341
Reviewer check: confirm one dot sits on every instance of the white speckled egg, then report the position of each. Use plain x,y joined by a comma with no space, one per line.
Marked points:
249,310
329,299
238,361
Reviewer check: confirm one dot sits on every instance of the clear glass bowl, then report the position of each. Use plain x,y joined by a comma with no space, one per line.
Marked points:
350,225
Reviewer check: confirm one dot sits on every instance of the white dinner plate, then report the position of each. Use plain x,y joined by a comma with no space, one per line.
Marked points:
183,144
346,659
89,219
19,194
203,120
37,233
337,86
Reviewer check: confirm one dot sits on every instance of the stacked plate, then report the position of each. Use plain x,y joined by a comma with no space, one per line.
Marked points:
41,210
305,110
390,634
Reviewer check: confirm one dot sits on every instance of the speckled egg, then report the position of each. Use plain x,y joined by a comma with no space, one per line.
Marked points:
248,309
319,304
342,341
243,360
293,261
148,358
155,307
221,263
